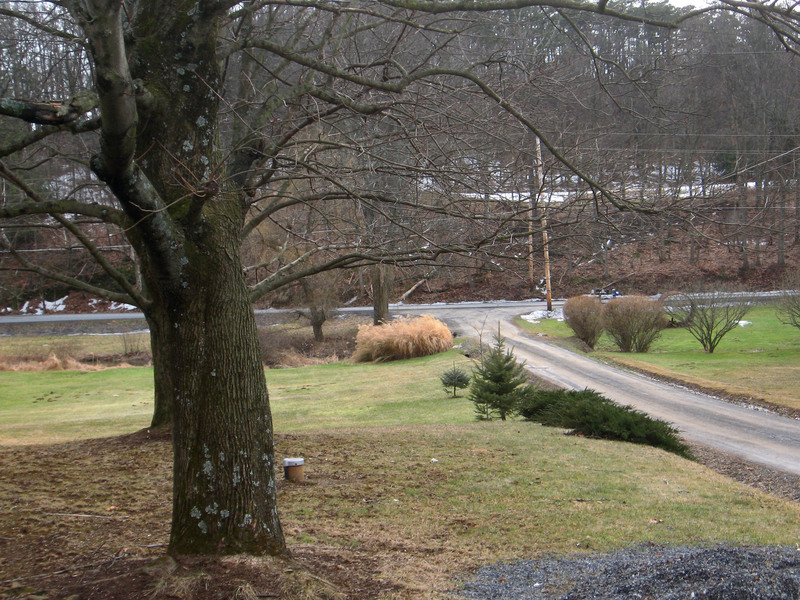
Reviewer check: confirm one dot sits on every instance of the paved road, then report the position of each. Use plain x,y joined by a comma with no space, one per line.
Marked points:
750,433
753,434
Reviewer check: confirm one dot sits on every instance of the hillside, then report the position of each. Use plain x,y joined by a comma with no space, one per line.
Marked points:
638,267
634,268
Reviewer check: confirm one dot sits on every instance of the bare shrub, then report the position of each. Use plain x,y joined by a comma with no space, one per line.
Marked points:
583,314
788,304
288,347
134,344
788,308
709,316
634,322
401,339
275,342
677,309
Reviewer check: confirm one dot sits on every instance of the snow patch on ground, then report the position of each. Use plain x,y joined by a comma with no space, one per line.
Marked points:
538,316
121,306
104,306
39,308
68,304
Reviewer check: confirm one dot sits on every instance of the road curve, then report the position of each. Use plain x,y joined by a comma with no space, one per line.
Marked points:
750,433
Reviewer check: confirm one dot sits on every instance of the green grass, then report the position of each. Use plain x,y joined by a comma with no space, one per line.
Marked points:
506,490
53,406
346,395
397,468
761,360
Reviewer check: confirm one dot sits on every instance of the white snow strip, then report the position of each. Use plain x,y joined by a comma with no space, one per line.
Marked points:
538,316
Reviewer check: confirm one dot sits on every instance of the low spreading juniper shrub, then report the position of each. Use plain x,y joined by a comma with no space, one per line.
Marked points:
539,402
590,414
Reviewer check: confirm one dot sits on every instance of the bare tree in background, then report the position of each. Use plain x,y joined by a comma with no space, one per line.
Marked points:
708,315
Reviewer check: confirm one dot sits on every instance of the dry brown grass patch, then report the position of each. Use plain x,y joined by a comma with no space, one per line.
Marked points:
293,345
51,363
402,339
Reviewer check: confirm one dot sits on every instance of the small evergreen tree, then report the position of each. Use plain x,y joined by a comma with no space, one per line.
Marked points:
499,383
454,378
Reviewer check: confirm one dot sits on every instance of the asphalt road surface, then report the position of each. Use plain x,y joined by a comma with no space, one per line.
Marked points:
750,433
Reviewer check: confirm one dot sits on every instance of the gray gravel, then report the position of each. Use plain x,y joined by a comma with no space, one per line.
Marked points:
646,572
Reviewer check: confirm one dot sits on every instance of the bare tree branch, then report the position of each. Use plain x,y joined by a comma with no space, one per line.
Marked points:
42,26
15,143
50,113
133,295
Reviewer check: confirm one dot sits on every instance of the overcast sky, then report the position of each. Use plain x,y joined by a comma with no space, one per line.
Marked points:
695,3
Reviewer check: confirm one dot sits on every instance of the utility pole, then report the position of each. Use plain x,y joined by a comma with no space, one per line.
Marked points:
531,222
535,191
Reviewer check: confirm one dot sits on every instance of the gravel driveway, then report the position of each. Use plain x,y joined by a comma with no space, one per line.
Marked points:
647,572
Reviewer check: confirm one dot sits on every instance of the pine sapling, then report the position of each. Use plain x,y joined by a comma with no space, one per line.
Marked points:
499,383
454,378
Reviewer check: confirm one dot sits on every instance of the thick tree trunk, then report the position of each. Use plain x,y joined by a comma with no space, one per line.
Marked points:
317,316
381,284
208,371
224,499
165,171
162,371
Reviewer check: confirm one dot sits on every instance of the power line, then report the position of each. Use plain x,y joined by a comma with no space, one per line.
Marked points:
65,248
704,135
628,149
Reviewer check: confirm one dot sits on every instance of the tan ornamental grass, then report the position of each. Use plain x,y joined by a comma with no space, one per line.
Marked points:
401,339
51,363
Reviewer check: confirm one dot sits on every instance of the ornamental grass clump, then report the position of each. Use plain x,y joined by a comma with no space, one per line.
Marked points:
401,339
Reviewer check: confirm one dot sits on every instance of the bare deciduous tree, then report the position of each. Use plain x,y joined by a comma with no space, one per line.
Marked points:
210,118
708,316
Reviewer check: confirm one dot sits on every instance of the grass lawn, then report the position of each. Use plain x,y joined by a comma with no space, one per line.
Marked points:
56,406
347,395
761,359
402,484
442,499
